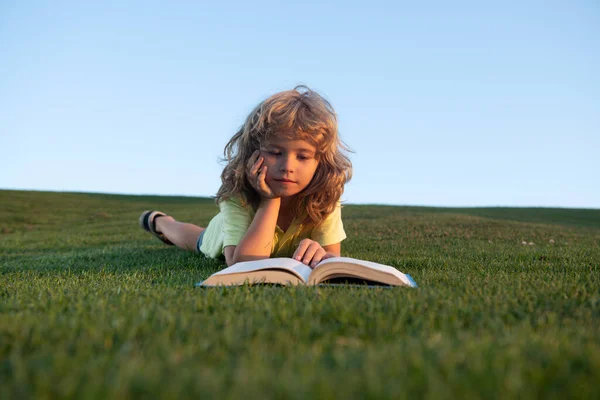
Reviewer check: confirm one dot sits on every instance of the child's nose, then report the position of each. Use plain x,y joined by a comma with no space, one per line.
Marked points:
287,164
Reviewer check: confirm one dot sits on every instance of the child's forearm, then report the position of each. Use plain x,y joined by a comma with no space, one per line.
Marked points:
258,240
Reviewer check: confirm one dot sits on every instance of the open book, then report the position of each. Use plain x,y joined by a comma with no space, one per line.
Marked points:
287,271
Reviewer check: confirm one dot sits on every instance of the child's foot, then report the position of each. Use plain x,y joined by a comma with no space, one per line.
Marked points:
147,222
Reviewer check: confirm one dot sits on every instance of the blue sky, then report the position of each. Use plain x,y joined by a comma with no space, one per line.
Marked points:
444,103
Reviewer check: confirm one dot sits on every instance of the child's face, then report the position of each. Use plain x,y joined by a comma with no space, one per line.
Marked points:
291,165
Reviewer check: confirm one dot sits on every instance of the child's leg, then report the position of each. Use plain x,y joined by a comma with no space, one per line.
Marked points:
183,235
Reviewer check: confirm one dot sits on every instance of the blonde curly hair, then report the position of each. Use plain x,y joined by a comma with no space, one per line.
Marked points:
298,114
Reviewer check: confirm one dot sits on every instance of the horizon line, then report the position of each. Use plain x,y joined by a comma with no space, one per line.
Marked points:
343,202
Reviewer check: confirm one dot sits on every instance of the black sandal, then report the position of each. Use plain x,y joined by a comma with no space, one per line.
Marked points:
147,223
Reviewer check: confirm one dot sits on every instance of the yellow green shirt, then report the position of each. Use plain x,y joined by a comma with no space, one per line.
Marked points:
229,226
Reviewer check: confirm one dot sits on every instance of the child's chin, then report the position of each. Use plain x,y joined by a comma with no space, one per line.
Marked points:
285,192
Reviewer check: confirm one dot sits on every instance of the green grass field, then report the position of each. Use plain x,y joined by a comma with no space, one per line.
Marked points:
93,307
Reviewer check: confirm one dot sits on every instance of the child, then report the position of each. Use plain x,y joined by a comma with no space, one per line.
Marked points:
285,173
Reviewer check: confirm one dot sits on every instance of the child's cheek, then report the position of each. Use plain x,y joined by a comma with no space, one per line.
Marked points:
269,160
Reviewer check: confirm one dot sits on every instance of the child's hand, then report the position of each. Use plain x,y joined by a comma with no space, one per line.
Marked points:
311,253
257,173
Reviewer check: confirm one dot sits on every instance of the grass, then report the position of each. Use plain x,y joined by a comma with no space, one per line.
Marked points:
93,307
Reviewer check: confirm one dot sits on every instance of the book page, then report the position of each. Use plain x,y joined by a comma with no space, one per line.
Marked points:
303,270
289,264
406,279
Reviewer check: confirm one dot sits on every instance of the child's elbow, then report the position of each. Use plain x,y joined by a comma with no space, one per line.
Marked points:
229,253
241,258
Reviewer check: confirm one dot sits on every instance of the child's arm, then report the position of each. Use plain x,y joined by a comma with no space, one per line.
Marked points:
258,240
335,250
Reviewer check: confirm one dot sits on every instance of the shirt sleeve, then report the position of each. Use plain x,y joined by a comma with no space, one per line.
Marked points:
236,221
331,230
